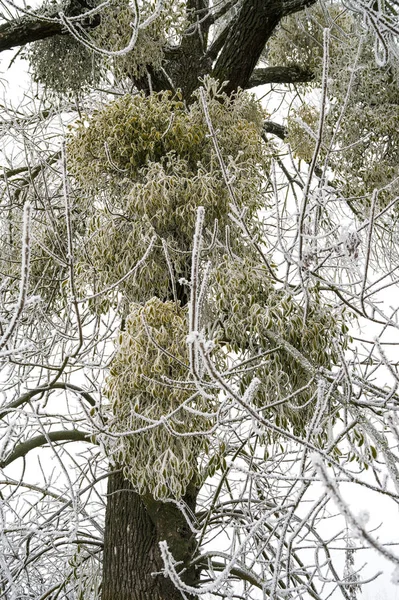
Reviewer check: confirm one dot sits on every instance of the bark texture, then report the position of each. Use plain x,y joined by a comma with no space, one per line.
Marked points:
247,37
133,529
25,31
279,75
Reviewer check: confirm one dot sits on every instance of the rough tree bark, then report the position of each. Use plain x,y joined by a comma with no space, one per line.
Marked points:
134,526
247,37
292,74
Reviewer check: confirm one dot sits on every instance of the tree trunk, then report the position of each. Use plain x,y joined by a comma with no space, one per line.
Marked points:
134,526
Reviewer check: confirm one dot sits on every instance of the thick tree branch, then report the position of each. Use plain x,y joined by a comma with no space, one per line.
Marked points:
197,32
247,37
218,44
215,15
293,74
275,129
41,440
24,398
190,61
27,29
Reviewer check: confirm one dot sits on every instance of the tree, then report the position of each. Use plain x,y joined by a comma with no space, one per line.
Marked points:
181,302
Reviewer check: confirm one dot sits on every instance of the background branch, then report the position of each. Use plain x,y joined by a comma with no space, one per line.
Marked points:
41,440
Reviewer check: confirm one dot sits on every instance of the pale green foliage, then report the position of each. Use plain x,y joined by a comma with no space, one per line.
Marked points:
302,125
10,247
299,38
366,144
115,31
154,347
249,307
147,163
369,134
48,273
170,193
64,65
119,140
87,574
122,138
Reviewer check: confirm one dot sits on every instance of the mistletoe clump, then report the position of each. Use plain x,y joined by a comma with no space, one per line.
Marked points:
148,163
365,146
302,125
115,31
49,265
259,319
64,65
367,143
298,40
49,270
149,394
116,143
361,125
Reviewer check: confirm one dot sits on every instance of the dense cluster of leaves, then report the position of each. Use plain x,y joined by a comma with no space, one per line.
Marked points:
149,390
302,124
64,65
360,138
299,39
48,273
146,164
266,323
117,27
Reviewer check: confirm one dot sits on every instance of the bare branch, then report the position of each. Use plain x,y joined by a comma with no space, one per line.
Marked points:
41,440
292,74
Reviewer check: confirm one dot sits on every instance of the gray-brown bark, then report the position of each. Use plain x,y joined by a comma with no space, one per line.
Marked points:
275,129
247,37
26,30
133,529
292,74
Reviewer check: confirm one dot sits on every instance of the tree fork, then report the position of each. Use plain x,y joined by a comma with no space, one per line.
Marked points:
247,37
